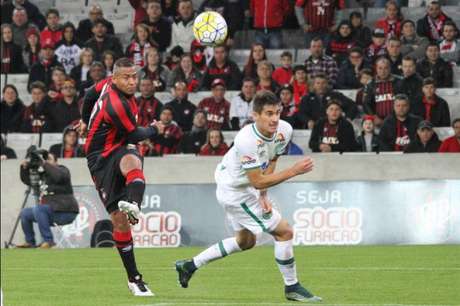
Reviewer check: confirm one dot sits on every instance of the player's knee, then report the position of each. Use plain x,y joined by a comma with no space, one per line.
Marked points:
288,233
246,243
130,162
120,222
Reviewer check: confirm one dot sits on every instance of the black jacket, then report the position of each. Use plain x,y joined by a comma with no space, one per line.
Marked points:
416,146
362,143
63,114
230,73
345,136
8,152
396,66
423,27
12,60
33,13
37,118
440,114
441,71
11,116
347,78
110,42
85,26
362,36
410,86
58,149
41,72
183,113
58,193
161,32
192,141
388,132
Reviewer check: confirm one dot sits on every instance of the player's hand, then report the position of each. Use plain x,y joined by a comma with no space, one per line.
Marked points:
303,166
159,126
265,203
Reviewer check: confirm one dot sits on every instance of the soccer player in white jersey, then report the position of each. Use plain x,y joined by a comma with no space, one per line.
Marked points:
243,177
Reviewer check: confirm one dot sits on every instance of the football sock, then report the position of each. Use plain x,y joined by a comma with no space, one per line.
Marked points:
135,186
284,256
125,246
216,251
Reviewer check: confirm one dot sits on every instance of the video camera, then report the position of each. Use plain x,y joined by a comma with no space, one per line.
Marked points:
36,157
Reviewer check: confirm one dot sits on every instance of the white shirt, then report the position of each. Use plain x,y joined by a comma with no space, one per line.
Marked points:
240,109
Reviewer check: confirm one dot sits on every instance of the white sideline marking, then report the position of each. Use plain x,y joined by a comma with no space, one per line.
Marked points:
247,268
286,304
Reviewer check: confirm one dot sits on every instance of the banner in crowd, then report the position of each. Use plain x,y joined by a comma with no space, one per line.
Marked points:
321,213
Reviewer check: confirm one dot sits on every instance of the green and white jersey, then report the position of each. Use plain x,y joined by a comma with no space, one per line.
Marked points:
251,150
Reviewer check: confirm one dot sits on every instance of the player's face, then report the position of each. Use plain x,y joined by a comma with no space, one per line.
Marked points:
408,68
425,135
457,129
429,90
333,112
401,108
268,119
126,80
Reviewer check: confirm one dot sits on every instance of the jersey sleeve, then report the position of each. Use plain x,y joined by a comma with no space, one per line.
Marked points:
120,114
284,136
247,153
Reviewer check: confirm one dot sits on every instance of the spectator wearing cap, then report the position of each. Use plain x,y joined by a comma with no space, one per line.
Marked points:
399,129
69,147
96,74
264,77
182,107
241,104
185,71
215,144
182,27
221,67
289,111
141,42
85,26
341,42
411,83
32,11
283,75
32,48
79,73
217,107
256,55
377,48
368,140
434,66
299,84
391,23
361,34
411,44
193,140
12,110
12,61
348,77
41,70
159,27
68,49
430,26
426,140
333,133
149,107
154,70
103,41
318,62
430,106
53,30
20,26
450,45
167,142
452,144
66,109
37,115
394,55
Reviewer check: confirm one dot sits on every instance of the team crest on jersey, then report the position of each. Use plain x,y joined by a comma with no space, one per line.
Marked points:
280,138
259,143
247,160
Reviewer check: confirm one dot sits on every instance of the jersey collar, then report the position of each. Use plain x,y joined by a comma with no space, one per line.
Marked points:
258,134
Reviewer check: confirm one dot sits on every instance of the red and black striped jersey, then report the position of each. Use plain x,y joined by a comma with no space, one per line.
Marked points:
320,13
380,96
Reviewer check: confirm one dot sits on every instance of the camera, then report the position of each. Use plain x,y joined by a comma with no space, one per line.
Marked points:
35,158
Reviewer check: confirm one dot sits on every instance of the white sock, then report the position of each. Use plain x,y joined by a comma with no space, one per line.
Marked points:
216,251
284,256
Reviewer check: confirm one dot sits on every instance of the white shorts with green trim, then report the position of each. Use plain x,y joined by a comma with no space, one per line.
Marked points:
244,211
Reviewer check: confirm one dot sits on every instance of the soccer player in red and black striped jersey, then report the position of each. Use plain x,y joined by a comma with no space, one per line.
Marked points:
115,163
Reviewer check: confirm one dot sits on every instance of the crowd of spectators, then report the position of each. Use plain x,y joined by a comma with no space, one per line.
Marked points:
396,67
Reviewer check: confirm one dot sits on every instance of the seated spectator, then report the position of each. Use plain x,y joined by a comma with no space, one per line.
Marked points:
159,27
12,61
79,73
450,45
289,111
57,81
137,48
221,67
154,70
361,34
96,74
12,110
167,142
430,106
197,52
241,104
391,23
268,20
140,10
41,70
434,66
377,48
186,72
430,26
53,30
149,107
182,27
216,107
6,152
452,144
31,51
146,148
173,58
66,109
380,92
108,60
368,140
341,41
182,107
293,149
348,77
283,75
264,77
333,133
411,44
299,84
85,26
21,26
69,148
68,49
32,11
102,41
313,106
426,140
193,140
394,55
215,144
411,83
256,55
169,8
365,78
399,129
317,62
37,115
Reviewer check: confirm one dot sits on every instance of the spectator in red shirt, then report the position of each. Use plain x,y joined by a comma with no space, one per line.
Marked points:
341,42
452,144
138,47
283,75
140,10
217,107
53,30
391,23
215,144
255,57
69,148
167,142
32,48
299,84
264,76
149,106
58,78
198,55
288,113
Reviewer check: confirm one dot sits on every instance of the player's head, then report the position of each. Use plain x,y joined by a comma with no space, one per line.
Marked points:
266,112
125,76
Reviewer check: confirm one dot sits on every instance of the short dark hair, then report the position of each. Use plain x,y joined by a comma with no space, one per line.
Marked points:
286,54
356,14
429,81
366,71
263,98
432,44
38,85
394,38
356,50
123,62
12,87
52,11
334,102
248,79
321,76
407,21
409,58
299,68
455,121
99,21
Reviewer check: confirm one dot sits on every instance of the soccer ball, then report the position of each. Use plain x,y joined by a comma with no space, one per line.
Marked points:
210,28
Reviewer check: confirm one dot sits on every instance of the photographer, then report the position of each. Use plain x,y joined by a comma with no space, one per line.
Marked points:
56,201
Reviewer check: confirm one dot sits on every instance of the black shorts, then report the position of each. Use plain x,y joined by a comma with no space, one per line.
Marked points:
110,182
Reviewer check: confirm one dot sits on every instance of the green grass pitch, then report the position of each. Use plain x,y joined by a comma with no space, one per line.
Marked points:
363,275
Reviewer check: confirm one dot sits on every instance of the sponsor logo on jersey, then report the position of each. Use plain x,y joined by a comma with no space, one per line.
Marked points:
247,160
280,138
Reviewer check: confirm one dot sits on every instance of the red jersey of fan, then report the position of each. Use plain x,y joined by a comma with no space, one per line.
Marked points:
450,145
320,13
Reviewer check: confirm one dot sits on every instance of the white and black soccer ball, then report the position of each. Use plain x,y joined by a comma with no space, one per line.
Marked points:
210,28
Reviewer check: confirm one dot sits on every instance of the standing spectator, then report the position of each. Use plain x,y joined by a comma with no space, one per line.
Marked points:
31,51
159,27
65,110
317,62
167,142
434,66
411,83
140,10
69,147
288,113
283,75
368,140
79,73
216,107
12,61
85,26
12,110
223,8
316,18
333,133
365,78
361,34
186,72
149,106
264,77
37,115
41,71
411,44
241,104
103,41
96,73
138,47
431,24
299,84
268,19
426,140
256,55
108,60
183,109
193,140
452,144
341,42
377,48
182,27
430,106
20,26
215,144
348,77
391,23
399,128
32,11
238,10
154,70
68,49
53,30
450,45
394,55
6,152
221,67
